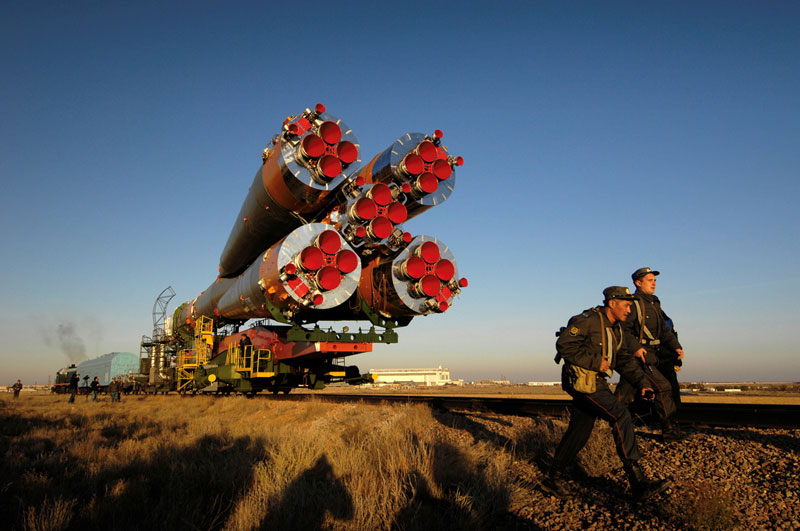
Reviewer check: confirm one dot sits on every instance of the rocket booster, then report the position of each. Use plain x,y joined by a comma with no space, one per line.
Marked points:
420,166
420,279
304,166
313,233
310,269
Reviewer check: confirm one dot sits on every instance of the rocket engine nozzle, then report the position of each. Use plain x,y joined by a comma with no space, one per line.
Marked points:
301,173
419,166
420,279
311,268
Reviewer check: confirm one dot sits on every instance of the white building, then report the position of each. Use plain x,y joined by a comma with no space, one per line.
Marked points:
438,376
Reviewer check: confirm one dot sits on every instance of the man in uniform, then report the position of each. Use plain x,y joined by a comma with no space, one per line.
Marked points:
17,387
95,387
654,343
592,345
73,387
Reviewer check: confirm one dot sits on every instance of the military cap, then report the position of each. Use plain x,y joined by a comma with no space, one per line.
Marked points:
617,292
642,271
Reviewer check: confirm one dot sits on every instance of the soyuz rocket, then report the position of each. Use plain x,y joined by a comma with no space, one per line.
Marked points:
319,239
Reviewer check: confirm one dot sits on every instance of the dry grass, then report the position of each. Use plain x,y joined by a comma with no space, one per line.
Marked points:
704,506
233,463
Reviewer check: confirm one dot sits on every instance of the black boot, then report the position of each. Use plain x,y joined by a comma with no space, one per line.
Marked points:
641,487
670,431
554,484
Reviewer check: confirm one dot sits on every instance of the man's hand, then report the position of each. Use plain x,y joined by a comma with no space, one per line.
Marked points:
648,393
680,353
641,354
604,366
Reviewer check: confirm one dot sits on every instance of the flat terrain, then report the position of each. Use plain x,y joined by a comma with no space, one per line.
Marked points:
166,462
551,392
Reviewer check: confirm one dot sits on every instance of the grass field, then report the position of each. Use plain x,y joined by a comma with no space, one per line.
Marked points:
233,463
166,462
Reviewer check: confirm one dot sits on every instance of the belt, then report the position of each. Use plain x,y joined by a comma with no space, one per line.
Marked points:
652,343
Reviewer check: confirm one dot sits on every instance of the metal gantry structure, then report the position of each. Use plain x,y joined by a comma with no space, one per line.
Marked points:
156,352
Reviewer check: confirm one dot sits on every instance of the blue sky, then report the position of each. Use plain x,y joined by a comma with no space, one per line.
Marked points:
597,138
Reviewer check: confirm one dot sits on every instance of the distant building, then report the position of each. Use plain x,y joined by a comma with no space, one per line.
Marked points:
440,376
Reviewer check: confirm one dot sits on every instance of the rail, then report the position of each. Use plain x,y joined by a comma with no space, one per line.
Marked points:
694,414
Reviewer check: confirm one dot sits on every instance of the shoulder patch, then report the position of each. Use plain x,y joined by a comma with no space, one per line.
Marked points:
574,331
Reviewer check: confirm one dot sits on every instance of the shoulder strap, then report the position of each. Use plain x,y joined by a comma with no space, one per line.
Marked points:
643,330
607,339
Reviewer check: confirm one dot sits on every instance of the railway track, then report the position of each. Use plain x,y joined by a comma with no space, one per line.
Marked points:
694,414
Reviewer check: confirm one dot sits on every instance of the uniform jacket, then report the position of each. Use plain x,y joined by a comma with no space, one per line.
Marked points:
581,343
655,322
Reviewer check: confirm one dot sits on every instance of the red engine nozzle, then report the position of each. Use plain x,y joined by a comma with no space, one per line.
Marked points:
347,152
380,193
330,132
412,164
311,258
427,286
427,150
442,170
311,147
426,183
428,251
380,228
329,167
346,261
328,278
364,209
413,268
444,269
397,213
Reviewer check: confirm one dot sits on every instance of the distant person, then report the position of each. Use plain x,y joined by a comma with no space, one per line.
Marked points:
114,389
654,343
17,387
592,345
95,387
73,387
244,342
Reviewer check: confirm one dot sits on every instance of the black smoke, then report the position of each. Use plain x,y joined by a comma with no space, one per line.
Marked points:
67,339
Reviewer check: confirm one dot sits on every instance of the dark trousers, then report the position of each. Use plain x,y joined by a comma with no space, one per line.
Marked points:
663,404
667,368
585,409
72,394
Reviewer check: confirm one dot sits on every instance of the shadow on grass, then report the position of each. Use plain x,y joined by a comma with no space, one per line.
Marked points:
465,422
468,501
306,501
190,487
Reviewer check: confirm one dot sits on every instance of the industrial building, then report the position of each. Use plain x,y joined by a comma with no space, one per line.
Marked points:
438,376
